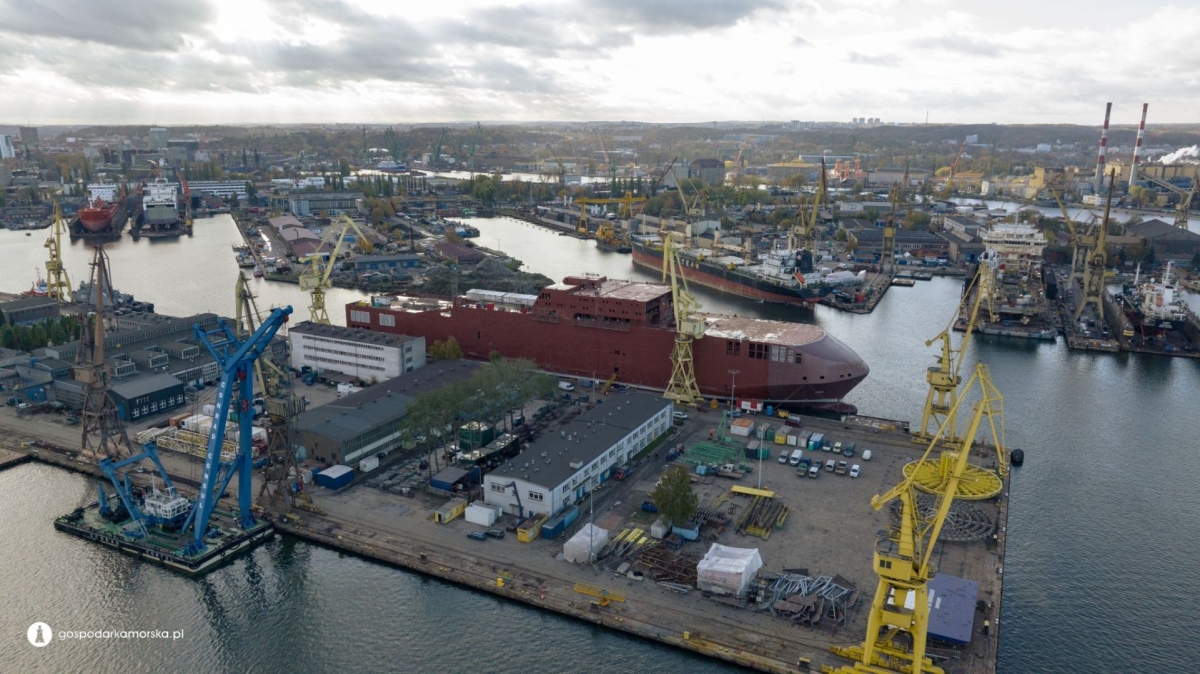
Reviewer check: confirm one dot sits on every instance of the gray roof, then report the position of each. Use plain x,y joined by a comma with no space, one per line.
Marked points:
400,257
145,385
587,437
347,418
26,303
1158,230
350,334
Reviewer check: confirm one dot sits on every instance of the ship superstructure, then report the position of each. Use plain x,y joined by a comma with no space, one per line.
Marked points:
160,204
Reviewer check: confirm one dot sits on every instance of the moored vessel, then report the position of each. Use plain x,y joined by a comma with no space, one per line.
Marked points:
600,328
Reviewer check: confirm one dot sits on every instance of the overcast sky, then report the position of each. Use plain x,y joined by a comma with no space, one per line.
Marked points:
396,61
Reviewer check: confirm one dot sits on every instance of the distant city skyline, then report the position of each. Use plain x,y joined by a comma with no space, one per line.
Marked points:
176,62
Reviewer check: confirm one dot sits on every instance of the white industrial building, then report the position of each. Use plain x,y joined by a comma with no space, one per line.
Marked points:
559,469
358,353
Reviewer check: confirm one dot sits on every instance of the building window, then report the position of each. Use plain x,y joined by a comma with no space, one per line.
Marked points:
496,486
758,351
387,320
733,347
536,496
360,316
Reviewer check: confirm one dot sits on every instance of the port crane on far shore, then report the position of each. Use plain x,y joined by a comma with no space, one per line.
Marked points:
898,620
58,283
314,281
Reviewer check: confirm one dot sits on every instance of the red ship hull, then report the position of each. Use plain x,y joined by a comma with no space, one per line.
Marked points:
707,280
639,355
97,217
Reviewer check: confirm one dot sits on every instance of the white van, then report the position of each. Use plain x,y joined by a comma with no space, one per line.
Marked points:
566,386
796,456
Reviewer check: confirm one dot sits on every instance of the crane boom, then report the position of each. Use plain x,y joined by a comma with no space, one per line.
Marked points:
235,358
315,280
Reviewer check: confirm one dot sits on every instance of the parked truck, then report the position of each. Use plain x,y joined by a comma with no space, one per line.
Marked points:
796,456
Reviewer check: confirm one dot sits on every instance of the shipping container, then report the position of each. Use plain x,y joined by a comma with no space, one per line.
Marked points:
452,509
689,534
335,477
554,526
482,514
531,529
368,464
780,435
815,441
792,438
659,529
474,435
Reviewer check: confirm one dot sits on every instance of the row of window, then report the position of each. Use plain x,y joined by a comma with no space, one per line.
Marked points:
343,342
154,407
335,361
352,354
387,320
773,352
359,316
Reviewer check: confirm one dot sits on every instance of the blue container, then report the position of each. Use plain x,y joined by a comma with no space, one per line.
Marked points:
688,534
570,515
770,411
701,469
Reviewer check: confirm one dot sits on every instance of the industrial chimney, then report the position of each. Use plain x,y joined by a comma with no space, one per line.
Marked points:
1137,148
1100,158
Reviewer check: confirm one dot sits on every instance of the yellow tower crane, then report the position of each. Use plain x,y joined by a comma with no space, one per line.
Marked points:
314,280
887,254
682,387
58,284
944,377
1095,261
898,622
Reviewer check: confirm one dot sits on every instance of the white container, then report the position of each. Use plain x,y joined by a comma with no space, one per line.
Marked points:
659,529
209,408
368,464
791,439
483,515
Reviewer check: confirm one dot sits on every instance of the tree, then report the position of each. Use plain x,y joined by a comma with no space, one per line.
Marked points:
343,167
916,220
674,496
376,215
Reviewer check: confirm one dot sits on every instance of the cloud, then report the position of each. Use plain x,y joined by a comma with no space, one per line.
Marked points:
121,24
659,17
963,44
536,30
883,60
800,42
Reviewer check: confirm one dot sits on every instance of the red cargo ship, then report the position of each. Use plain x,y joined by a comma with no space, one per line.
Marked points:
591,326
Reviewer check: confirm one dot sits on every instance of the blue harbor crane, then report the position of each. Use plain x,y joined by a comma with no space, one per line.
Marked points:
236,360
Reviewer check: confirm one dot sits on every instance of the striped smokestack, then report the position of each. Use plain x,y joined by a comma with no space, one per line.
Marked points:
1103,150
1137,148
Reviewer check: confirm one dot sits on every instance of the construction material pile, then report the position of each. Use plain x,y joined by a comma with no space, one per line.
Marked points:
763,515
965,523
664,566
806,600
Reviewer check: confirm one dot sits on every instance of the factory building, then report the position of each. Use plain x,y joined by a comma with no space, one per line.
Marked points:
559,469
708,171
386,263
27,310
371,421
1167,241
219,188
312,203
147,396
7,150
895,176
363,354
917,244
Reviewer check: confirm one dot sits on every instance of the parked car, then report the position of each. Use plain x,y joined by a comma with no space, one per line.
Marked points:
829,466
840,469
566,386
680,415
854,470
478,535
837,447
783,457
866,455
815,470
499,533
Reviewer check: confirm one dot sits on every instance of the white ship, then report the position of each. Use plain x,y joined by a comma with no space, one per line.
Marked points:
1160,304
160,205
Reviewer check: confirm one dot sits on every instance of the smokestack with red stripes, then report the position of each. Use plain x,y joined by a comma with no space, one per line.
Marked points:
1137,148
1100,158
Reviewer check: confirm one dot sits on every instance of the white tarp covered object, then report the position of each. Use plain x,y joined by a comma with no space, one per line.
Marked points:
585,545
728,570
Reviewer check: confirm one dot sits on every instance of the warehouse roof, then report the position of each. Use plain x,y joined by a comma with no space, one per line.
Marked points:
581,441
145,385
347,418
350,334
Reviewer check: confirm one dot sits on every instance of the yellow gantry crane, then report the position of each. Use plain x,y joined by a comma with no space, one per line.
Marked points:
314,280
944,377
1089,261
625,208
898,622
689,326
58,284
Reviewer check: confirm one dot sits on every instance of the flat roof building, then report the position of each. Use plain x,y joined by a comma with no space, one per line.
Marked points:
333,203
371,421
28,310
363,354
557,470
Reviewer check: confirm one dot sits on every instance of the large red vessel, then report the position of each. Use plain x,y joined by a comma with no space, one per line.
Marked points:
591,326
97,216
